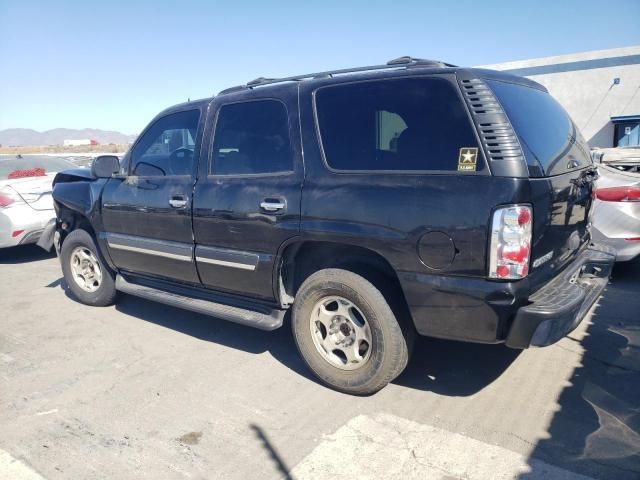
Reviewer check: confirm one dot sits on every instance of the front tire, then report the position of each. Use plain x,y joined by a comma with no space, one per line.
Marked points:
347,333
88,278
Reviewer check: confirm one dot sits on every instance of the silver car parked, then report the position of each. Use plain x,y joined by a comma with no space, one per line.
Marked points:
26,206
616,208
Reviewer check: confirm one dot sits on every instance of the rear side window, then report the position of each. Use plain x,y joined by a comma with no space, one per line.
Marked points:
409,124
250,138
549,138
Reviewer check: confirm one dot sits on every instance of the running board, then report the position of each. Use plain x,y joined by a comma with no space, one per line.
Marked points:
269,319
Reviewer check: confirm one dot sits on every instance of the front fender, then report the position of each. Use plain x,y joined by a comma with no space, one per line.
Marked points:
79,191
76,196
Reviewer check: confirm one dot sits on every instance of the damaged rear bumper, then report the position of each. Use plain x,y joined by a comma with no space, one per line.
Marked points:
559,306
50,237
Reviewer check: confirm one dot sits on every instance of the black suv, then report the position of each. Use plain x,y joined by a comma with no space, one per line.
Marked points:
373,203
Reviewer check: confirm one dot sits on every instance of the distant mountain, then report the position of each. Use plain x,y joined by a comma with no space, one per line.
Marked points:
25,137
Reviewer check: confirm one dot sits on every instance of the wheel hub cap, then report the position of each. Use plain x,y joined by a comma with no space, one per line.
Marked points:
340,333
85,269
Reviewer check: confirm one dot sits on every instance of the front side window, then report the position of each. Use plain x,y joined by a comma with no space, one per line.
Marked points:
408,124
252,138
167,147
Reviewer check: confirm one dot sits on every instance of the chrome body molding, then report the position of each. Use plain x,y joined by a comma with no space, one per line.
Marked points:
224,263
146,246
147,251
227,258
184,252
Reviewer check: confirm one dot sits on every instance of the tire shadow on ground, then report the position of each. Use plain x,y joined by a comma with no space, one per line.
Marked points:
24,254
444,367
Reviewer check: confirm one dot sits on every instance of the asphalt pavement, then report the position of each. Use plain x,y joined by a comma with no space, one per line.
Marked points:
142,390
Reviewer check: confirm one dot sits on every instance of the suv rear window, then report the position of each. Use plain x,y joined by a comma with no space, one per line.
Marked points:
546,132
409,124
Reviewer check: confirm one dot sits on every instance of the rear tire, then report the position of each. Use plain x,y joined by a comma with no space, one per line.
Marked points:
88,277
347,333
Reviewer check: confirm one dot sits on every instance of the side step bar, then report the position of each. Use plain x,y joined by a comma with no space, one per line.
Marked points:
262,320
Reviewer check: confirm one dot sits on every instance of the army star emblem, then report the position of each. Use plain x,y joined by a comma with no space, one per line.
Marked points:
467,159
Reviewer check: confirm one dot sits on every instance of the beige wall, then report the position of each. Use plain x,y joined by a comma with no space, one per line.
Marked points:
589,95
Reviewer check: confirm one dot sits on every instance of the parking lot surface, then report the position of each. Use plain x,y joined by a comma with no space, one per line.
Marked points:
141,390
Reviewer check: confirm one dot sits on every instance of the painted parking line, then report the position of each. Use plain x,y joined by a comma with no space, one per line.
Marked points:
387,446
13,469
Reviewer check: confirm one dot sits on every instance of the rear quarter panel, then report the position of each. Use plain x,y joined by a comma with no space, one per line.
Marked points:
390,212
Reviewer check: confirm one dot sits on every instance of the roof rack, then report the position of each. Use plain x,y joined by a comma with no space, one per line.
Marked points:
400,62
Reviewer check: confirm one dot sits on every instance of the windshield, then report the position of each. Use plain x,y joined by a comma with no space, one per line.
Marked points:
31,166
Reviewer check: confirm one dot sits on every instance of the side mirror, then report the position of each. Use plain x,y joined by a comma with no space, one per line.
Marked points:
105,166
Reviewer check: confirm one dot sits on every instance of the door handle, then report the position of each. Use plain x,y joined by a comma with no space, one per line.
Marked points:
272,205
177,201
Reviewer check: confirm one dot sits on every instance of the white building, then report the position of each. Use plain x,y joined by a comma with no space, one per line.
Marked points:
75,143
599,89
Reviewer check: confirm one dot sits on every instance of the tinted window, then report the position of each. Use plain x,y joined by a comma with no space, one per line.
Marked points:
167,147
252,137
547,135
405,124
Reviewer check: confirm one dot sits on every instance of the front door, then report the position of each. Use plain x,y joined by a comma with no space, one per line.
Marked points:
147,214
247,199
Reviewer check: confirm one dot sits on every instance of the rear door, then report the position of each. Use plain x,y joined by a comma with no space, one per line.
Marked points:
147,214
247,199
561,175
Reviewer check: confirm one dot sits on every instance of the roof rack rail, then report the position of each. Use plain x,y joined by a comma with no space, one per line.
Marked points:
399,62
260,80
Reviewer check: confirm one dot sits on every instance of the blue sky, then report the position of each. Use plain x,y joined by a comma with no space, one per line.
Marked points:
115,64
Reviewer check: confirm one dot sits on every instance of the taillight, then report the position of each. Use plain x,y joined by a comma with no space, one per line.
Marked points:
510,242
5,200
629,193
8,196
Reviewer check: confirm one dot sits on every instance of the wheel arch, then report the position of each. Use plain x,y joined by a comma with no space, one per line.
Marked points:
304,257
69,219
77,203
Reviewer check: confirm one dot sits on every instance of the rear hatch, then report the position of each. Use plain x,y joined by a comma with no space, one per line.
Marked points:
561,176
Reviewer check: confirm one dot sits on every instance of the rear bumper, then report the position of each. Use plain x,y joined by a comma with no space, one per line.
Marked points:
559,306
484,311
626,250
23,219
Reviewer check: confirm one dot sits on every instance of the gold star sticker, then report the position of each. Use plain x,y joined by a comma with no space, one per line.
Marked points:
468,157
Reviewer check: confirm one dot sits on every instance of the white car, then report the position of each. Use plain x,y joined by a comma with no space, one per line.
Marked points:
26,206
616,207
